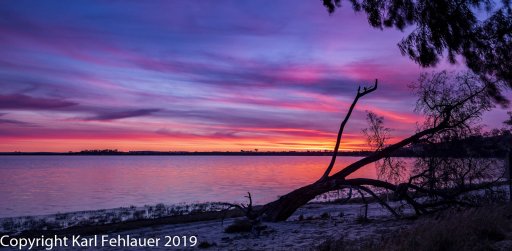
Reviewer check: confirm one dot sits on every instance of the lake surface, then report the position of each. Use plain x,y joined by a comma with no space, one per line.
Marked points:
36,185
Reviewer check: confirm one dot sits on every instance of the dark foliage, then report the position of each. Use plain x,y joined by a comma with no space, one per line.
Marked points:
495,143
509,121
478,30
239,226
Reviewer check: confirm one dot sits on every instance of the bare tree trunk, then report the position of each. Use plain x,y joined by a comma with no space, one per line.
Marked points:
442,119
285,206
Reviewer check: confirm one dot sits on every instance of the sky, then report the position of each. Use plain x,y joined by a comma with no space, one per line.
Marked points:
197,76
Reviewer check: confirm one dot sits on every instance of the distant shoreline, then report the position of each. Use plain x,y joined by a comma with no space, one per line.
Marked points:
403,153
476,146
154,153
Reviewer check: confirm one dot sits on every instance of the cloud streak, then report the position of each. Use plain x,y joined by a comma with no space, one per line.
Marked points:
24,102
113,115
187,75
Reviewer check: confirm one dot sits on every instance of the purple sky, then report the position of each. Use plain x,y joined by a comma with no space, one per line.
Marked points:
196,75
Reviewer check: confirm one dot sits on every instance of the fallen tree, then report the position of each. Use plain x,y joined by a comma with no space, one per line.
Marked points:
451,105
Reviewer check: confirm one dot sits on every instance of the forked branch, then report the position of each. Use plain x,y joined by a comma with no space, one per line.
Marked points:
360,94
246,209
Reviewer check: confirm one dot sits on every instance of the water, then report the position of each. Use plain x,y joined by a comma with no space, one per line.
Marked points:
36,185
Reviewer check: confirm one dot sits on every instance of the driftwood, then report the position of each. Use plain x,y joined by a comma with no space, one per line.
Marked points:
446,113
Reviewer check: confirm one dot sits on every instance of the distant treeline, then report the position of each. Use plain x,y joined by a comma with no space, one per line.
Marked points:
196,153
495,144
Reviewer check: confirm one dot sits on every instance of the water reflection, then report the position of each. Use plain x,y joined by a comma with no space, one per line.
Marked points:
32,185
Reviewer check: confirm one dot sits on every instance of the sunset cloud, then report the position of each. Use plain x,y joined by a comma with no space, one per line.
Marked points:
122,114
24,102
183,75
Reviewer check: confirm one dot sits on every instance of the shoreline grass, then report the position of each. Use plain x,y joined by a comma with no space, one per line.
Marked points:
483,228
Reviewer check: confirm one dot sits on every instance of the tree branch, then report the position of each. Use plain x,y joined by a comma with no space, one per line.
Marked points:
359,95
385,152
383,184
383,203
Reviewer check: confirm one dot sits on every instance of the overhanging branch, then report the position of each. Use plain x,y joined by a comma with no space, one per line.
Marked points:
359,95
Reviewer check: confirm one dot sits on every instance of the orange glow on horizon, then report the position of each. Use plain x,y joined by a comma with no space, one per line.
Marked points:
321,143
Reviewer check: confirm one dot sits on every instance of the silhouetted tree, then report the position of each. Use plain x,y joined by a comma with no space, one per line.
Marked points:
478,30
451,106
439,176
509,121
390,169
